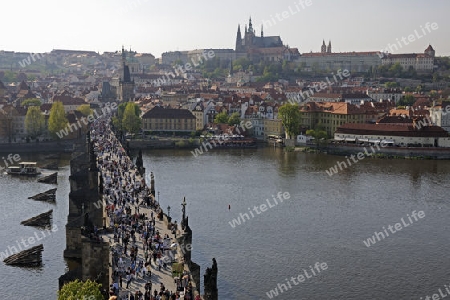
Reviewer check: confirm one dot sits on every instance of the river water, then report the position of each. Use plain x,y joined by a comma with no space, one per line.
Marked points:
33,283
326,220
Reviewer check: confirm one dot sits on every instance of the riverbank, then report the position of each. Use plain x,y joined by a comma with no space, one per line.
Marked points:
41,147
393,152
191,143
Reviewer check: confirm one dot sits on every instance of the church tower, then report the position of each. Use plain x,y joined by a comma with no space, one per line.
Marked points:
238,47
250,26
430,51
249,35
329,47
126,85
323,49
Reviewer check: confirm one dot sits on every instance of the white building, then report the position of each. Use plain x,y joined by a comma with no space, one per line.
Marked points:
168,58
380,95
326,60
404,135
419,62
440,115
302,139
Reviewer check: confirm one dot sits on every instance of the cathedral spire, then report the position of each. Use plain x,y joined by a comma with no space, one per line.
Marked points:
262,31
238,39
124,58
323,49
250,26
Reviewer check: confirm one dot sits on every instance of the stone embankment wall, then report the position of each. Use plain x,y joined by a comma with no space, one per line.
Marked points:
426,153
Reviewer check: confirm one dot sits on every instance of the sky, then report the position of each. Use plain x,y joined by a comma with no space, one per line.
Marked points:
149,26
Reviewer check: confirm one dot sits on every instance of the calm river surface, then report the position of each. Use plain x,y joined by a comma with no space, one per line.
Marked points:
34,283
325,220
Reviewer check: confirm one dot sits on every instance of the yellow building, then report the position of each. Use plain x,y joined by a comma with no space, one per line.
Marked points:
273,127
198,112
168,119
331,115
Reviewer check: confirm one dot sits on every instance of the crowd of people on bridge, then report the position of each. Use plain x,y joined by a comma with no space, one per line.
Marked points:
125,194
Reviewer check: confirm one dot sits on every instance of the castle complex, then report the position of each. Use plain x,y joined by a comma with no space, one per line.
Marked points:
266,48
359,62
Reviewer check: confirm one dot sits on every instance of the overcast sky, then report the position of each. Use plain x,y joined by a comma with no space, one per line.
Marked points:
155,27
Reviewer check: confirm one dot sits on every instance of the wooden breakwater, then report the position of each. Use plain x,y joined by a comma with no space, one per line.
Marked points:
50,179
42,220
26,258
49,196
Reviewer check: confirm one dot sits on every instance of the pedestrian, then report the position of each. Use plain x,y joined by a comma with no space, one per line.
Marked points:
128,280
149,269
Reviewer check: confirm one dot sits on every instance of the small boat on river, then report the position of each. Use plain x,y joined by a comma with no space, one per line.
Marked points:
24,169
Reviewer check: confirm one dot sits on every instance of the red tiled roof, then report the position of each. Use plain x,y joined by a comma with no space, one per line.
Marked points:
394,120
168,113
68,100
407,130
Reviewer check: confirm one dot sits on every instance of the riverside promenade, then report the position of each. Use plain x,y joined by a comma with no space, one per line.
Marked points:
144,248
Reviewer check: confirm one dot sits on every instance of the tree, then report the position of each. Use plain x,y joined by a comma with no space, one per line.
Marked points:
391,84
234,119
34,121
317,134
122,106
6,121
242,63
31,102
290,118
221,118
79,290
407,100
131,122
117,121
10,76
57,119
85,109
396,70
